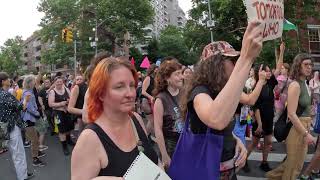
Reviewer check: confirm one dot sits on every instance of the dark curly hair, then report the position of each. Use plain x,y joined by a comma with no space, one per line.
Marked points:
296,66
211,73
151,70
165,70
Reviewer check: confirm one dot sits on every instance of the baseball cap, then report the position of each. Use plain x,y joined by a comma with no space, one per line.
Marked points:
219,47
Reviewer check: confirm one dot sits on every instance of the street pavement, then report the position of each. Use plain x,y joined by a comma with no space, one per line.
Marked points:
58,165
57,168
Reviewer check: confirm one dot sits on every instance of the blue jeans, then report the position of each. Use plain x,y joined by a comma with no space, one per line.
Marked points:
240,130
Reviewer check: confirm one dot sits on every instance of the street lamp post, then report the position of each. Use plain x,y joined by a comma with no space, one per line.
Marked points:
211,22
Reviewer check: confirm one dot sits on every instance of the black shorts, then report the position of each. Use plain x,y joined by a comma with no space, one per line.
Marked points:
65,122
267,128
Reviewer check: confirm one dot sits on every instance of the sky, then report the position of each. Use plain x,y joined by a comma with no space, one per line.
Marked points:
21,17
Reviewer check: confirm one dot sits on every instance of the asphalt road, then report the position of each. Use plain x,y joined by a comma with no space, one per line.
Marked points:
58,165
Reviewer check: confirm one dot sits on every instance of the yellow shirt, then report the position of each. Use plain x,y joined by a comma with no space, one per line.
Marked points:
19,94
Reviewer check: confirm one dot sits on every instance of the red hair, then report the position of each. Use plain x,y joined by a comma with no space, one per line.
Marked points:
99,82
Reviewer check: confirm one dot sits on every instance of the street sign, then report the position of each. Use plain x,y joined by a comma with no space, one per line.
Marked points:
210,23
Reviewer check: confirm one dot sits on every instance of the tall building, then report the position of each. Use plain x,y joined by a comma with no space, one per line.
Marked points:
31,57
167,12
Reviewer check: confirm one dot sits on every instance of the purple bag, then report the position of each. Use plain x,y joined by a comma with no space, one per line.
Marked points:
197,156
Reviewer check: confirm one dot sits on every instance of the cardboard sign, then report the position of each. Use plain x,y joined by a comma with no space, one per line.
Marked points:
270,13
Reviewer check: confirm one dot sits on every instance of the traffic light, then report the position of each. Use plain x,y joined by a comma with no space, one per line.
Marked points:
69,37
64,34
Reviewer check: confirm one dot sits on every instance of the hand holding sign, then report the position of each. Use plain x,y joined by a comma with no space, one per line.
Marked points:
271,15
252,41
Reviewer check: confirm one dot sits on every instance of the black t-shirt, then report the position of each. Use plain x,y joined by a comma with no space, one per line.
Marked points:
265,102
44,96
198,127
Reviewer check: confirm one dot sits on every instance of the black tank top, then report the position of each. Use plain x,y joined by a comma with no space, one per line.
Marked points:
150,87
82,92
59,98
119,161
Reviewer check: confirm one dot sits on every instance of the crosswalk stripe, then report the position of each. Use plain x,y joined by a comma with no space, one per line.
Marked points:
249,178
274,157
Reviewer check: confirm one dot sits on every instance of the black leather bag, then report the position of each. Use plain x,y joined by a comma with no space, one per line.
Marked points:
282,127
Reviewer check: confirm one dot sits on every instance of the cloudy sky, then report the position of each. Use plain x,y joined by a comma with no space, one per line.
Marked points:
20,17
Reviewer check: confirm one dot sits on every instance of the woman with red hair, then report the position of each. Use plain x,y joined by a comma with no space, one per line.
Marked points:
115,135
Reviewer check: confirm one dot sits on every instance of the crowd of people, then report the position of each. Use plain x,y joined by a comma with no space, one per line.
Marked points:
119,113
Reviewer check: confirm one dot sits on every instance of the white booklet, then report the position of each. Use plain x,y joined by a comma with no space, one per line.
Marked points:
143,168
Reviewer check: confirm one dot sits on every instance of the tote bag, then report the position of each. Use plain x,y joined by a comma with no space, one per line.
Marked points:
316,127
197,156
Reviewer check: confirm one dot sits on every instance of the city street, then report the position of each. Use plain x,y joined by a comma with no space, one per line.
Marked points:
58,167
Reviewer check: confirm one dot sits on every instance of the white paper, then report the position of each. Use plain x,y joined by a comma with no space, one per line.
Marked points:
270,13
143,168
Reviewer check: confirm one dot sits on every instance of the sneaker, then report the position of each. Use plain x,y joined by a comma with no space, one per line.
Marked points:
260,146
41,154
26,144
306,177
43,148
37,162
30,175
246,168
66,151
264,166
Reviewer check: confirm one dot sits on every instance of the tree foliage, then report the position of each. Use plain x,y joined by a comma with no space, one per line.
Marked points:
10,55
113,18
230,22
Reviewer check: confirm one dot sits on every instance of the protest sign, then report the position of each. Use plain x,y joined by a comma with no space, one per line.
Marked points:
271,15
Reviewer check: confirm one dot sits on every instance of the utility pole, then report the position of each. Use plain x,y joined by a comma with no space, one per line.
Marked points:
96,37
75,57
210,23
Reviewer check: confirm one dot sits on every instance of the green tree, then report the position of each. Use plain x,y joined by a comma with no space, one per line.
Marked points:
114,19
136,54
10,55
231,20
153,50
172,43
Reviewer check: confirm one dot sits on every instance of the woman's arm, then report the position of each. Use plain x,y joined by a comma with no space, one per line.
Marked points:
218,113
86,161
145,85
293,99
279,62
51,100
250,99
85,109
73,101
158,122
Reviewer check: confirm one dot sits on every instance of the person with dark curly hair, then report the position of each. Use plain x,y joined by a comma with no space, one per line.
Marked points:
211,100
298,106
167,115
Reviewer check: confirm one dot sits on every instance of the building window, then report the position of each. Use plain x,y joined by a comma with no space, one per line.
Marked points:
314,39
38,48
25,54
38,58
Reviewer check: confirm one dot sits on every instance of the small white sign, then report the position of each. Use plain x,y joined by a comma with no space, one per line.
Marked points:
271,15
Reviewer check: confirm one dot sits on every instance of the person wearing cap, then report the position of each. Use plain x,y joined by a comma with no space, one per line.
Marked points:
212,98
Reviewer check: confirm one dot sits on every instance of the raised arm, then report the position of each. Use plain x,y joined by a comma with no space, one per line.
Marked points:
250,99
218,113
279,62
